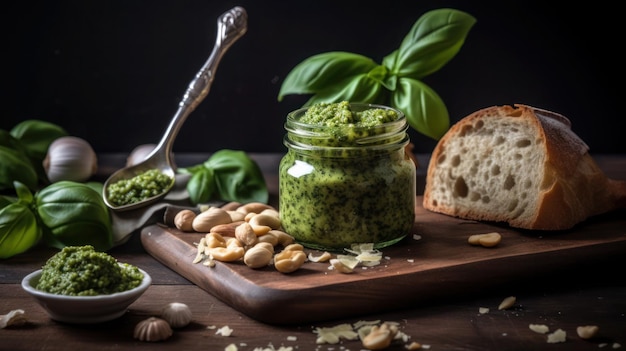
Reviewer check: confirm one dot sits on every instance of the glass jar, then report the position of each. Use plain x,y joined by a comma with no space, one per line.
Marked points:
346,185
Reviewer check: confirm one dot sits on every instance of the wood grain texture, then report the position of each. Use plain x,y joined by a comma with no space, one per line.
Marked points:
440,263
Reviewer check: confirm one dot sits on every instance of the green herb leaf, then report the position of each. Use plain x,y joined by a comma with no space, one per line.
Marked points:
18,230
227,175
238,178
36,136
424,109
433,41
323,71
74,214
201,186
357,89
16,166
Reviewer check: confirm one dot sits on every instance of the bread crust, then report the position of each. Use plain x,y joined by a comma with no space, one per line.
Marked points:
566,188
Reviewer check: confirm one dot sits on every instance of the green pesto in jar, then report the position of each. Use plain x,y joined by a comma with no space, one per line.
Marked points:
346,178
140,187
82,271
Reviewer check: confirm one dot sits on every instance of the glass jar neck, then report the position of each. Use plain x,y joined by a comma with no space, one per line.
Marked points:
345,140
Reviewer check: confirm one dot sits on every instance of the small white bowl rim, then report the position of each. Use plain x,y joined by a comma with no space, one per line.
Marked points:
26,285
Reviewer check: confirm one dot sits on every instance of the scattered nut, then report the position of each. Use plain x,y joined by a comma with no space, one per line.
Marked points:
265,220
245,233
208,219
152,329
413,346
258,256
227,254
587,331
226,229
324,257
254,207
507,303
288,261
485,240
236,216
177,314
380,337
539,328
284,239
184,219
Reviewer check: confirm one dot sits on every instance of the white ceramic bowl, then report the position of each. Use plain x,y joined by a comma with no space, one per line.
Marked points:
84,309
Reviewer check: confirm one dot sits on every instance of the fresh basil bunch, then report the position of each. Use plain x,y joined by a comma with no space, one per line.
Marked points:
434,39
227,175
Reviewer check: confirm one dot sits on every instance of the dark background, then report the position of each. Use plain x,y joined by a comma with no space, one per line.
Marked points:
113,72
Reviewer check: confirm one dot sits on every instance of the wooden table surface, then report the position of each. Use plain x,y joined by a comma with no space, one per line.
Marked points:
593,293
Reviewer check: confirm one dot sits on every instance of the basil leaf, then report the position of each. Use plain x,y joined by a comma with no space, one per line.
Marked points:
434,39
323,71
237,177
18,229
36,136
358,89
74,214
424,109
201,186
15,166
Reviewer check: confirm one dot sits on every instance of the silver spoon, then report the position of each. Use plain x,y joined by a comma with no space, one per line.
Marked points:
231,25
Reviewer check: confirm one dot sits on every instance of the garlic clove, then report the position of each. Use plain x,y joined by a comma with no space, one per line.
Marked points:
70,158
139,154
13,318
152,329
177,314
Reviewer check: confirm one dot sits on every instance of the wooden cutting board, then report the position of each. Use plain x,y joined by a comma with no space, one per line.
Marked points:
435,260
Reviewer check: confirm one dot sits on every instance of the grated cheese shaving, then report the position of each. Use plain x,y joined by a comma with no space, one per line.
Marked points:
224,331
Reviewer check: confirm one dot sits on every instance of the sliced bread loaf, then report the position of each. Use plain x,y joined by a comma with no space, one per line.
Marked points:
520,165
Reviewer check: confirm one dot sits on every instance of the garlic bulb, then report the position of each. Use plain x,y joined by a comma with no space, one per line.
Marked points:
177,314
152,329
139,154
70,158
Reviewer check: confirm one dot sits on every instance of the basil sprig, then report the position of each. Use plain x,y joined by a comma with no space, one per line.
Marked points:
228,175
336,76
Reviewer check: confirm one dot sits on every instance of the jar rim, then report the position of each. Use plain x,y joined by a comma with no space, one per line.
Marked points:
338,150
376,133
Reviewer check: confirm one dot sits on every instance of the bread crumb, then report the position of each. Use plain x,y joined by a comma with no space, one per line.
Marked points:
559,335
225,331
483,310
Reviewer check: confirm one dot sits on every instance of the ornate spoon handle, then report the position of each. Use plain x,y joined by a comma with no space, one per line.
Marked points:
231,25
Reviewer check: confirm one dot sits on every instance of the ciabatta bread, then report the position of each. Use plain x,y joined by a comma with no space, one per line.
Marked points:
520,165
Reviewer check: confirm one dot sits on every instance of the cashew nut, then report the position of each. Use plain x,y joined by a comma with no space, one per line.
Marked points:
380,337
288,261
227,254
